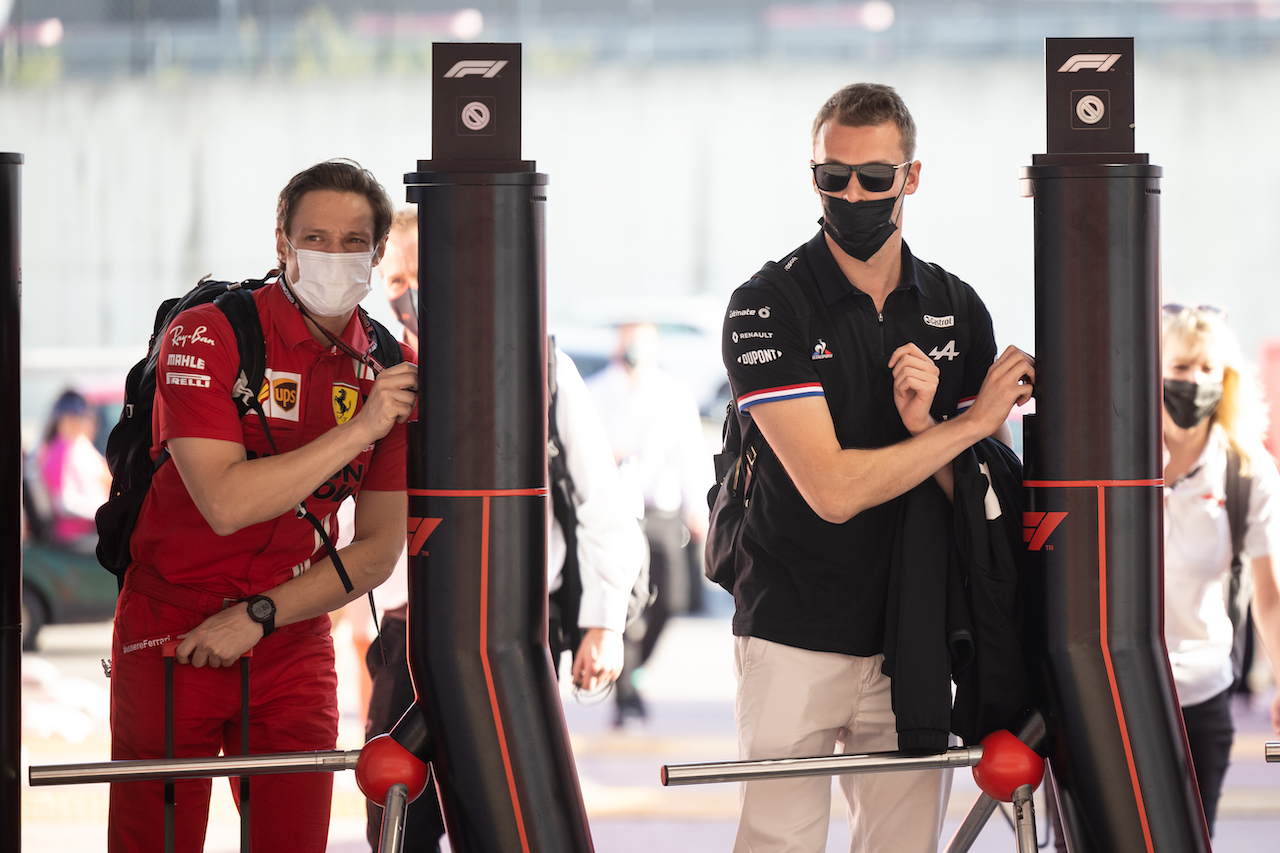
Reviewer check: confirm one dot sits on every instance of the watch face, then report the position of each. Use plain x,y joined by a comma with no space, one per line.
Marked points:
261,609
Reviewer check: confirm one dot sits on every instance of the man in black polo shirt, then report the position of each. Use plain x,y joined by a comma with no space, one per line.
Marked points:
893,374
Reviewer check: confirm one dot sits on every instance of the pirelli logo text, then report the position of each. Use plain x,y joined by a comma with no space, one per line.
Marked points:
192,380
1097,61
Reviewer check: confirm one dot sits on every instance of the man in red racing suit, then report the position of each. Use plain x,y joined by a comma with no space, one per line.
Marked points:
218,530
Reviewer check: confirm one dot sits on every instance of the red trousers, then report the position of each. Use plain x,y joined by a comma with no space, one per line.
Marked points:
293,706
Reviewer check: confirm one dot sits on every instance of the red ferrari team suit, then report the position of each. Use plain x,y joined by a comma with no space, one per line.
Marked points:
182,572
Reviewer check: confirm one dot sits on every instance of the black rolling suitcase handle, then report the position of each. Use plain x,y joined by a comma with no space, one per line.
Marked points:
170,799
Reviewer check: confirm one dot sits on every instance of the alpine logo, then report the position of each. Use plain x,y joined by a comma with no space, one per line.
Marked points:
483,67
1036,527
419,530
820,350
948,352
1099,61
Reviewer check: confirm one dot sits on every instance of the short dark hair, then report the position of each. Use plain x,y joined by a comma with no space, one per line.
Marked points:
867,105
340,175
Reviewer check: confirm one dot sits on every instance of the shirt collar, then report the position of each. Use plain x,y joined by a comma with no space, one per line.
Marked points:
293,330
1212,449
832,282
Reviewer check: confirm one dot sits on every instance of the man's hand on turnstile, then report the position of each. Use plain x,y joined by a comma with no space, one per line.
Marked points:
1010,381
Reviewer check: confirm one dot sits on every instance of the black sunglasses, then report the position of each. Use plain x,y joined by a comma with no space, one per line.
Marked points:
874,177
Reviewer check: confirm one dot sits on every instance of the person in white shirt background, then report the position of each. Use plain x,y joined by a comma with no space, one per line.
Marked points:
653,425
1213,404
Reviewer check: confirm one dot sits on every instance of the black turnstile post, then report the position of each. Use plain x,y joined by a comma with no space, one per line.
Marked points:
11,502
1094,467
477,477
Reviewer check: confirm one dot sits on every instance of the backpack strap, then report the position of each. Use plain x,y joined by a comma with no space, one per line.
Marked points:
568,598
1237,489
1237,509
781,279
386,346
242,313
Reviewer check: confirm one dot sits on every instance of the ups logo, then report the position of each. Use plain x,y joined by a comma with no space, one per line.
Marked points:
285,394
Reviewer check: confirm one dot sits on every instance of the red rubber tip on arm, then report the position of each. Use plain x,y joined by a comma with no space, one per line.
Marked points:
1007,764
383,763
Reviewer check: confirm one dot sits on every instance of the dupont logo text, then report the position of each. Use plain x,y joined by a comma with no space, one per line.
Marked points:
1097,61
1037,526
476,67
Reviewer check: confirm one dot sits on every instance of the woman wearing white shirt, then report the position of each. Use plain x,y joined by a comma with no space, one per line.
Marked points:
1212,404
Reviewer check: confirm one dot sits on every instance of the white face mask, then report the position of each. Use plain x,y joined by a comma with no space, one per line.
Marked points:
331,283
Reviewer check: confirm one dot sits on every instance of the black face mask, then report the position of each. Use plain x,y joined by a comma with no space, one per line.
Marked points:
406,307
860,228
1188,404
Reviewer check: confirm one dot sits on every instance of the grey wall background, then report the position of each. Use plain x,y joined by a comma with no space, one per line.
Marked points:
671,179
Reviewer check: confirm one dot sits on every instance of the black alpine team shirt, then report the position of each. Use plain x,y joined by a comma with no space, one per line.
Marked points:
803,581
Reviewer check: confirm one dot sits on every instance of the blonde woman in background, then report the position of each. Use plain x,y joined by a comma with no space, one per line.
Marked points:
1212,408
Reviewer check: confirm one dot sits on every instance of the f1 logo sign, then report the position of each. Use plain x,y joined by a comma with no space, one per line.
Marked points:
419,530
1036,527
487,68
1100,61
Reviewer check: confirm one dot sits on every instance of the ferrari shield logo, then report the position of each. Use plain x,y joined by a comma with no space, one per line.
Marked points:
344,402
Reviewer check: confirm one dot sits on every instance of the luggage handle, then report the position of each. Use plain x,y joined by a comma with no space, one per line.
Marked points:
169,650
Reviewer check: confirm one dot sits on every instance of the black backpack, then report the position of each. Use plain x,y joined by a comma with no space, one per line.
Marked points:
729,497
568,597
129,445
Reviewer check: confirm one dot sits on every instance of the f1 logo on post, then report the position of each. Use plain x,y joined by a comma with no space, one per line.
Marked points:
480,67
1097,61
419,530
1036,527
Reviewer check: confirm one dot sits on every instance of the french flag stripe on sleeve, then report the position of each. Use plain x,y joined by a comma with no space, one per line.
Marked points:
964,404
786,392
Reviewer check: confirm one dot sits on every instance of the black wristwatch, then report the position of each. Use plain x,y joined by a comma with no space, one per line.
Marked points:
263,611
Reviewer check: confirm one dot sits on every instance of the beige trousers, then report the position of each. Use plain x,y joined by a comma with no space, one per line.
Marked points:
793,702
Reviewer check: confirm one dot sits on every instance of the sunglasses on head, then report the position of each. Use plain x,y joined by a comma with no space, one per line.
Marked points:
874,177
1178,308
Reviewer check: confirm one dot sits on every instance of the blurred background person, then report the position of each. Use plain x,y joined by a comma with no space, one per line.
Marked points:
1213,415
655,431
74,474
